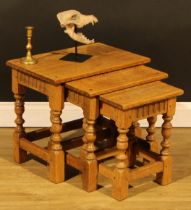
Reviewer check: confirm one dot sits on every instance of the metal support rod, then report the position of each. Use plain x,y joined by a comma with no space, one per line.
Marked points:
76,44
76,49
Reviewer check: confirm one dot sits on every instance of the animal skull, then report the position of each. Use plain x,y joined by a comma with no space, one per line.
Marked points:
70,19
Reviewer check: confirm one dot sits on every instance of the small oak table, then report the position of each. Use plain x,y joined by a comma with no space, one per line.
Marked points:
86,94
48,77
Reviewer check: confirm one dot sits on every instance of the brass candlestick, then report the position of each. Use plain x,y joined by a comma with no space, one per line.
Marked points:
29,60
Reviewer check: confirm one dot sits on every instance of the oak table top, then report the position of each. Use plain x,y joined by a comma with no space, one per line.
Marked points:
55,71
140,95
117,80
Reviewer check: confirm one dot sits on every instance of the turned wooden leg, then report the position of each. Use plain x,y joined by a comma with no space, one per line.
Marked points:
132,150
56,154
164,178
120,179
56,163
89,173
151,130
137,129
83,152
19,155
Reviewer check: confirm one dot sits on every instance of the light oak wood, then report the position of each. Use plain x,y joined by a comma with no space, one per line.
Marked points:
120,184
54,156
141,95
135,132
55,71
56,153
129,105
48,77
74,162
110,82
34,149
147,154
165,178
89,173
85,93
121,172
105,171
106,154
45,132
146,170
151,133
116,106
19,154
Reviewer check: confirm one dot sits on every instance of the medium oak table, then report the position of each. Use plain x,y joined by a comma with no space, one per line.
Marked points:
48,77
86,94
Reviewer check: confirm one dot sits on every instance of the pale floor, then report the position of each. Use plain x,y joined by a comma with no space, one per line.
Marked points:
26,186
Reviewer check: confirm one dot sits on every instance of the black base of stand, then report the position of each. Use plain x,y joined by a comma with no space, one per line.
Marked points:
76,57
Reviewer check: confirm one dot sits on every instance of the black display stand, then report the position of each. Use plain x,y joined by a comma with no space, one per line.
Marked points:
76,57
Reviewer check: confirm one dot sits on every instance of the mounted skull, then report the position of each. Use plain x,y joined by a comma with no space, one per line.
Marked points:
72,19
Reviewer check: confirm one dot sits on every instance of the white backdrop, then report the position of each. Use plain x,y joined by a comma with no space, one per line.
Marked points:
37,114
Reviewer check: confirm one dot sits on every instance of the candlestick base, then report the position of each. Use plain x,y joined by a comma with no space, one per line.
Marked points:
29,61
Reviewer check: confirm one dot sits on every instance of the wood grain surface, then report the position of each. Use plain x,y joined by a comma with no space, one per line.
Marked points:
104,59
117,80
144,94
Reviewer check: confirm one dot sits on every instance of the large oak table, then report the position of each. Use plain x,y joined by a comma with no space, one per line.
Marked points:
48,77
